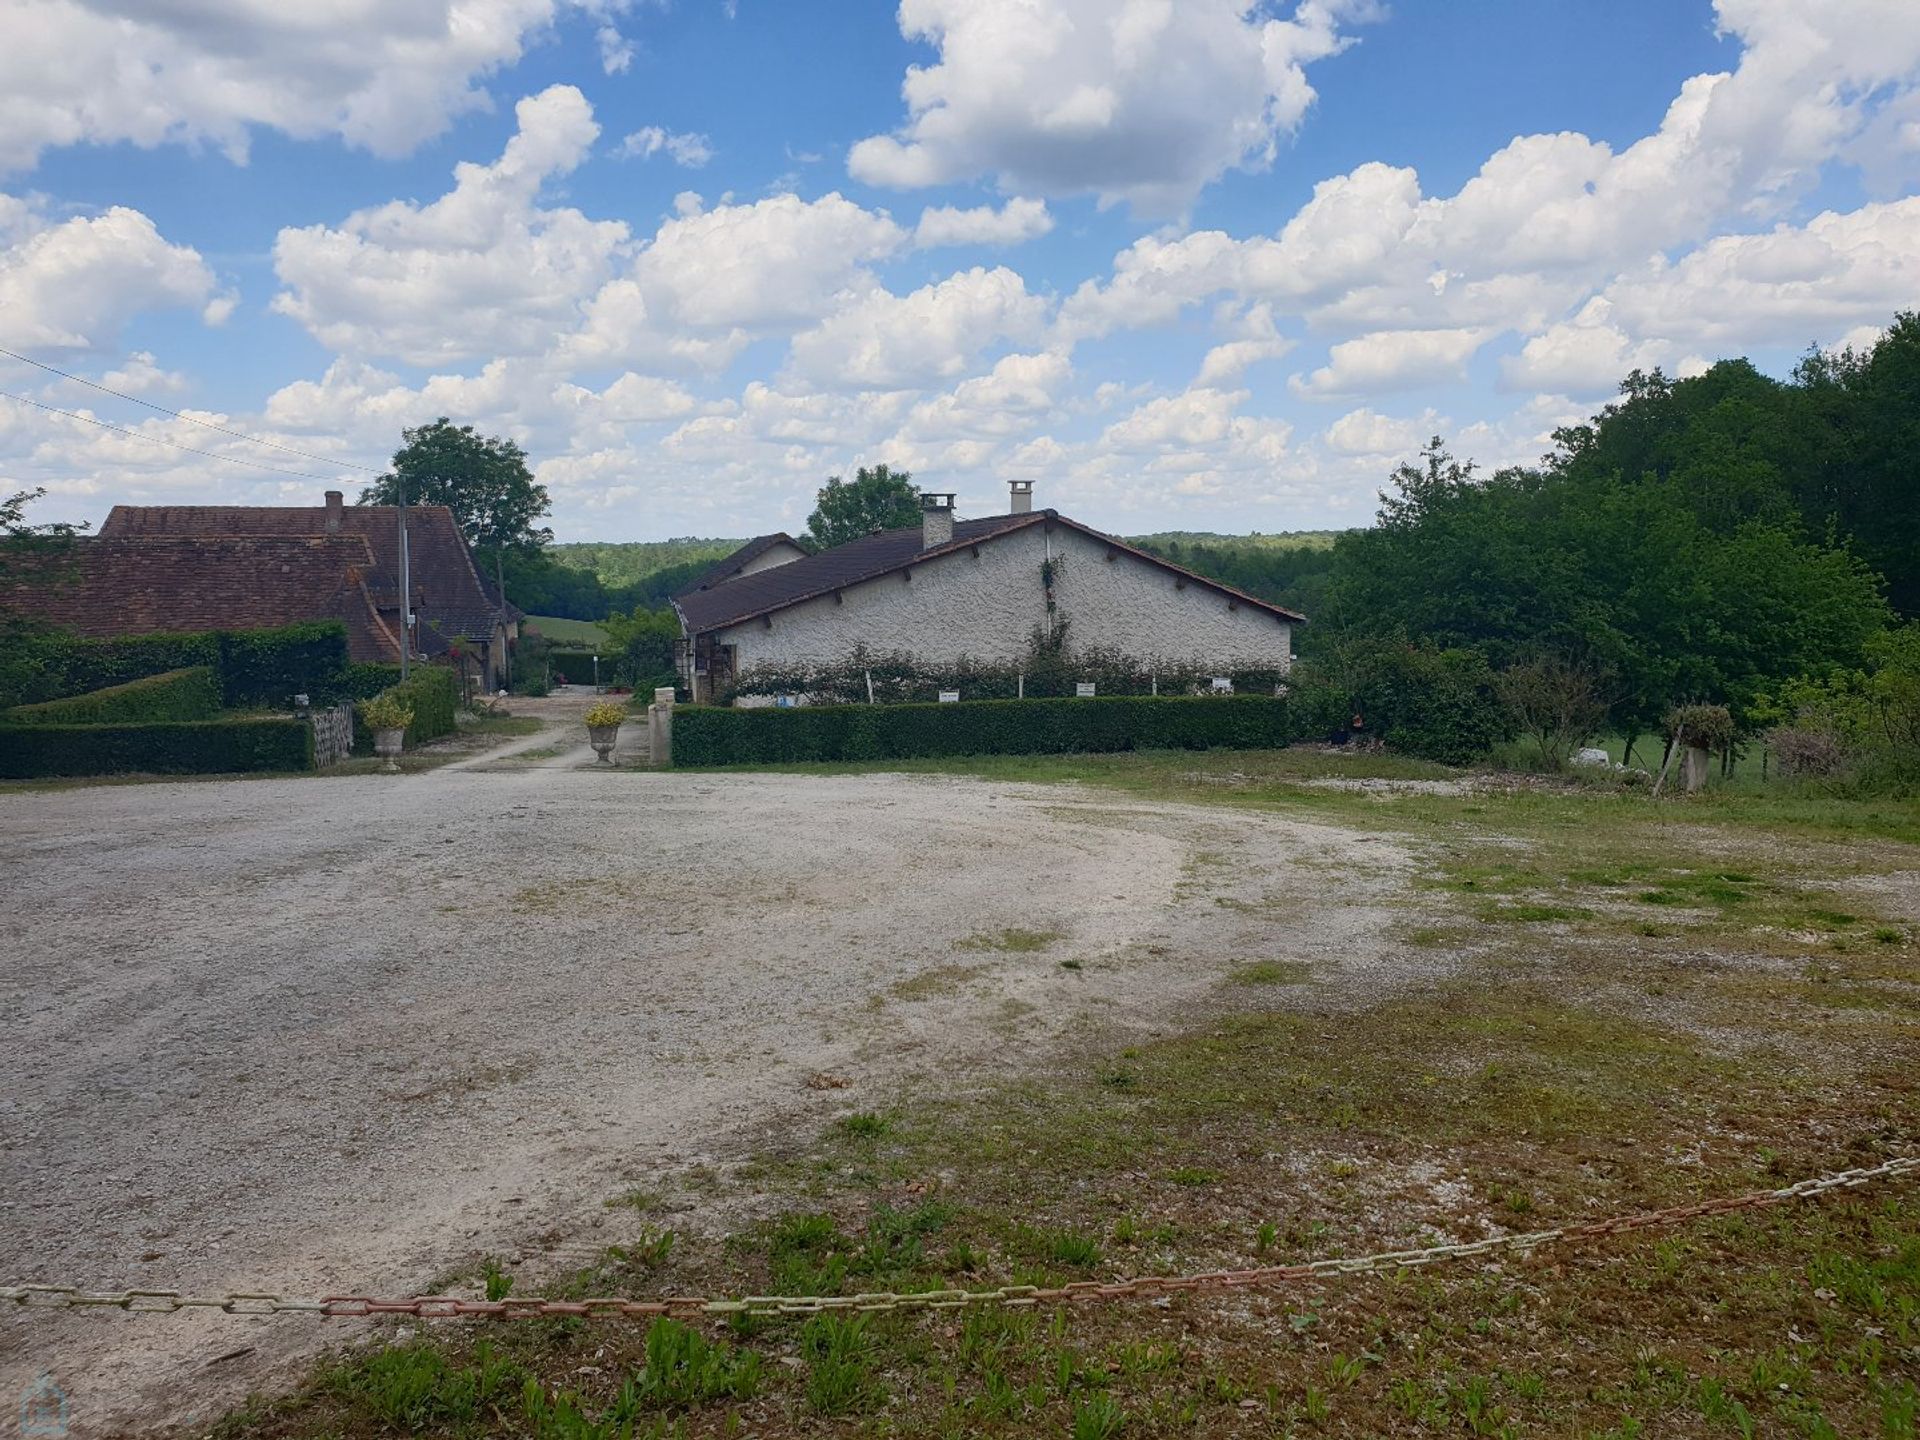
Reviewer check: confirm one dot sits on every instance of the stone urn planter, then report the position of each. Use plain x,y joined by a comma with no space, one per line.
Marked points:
603,729
387,744
388,719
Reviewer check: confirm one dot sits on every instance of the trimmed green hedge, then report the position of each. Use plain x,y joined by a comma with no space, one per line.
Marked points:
433,694
190,694
709,735
254,667
577,666
195,747
365,681
270,667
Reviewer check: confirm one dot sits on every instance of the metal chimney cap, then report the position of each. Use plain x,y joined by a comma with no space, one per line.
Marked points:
936,500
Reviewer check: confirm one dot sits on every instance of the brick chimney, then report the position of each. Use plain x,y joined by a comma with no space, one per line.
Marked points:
334,501
1022,496
936,520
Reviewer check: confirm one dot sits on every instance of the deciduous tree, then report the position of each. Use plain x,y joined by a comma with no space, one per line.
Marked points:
875,499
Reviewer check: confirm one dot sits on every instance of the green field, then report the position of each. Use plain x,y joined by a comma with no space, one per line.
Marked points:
568,632
1282,540
628,562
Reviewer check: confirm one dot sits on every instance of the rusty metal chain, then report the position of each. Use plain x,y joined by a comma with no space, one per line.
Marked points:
445,1307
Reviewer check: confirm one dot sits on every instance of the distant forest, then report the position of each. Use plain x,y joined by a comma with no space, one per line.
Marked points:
596,580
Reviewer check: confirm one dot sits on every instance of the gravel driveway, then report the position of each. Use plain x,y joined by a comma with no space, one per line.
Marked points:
338,1034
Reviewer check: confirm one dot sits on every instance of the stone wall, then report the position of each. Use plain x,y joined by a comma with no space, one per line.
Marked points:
986,605
332,734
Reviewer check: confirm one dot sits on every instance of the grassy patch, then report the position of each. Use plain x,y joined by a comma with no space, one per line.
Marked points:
1012,940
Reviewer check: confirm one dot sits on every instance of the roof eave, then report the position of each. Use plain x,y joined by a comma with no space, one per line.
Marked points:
845,581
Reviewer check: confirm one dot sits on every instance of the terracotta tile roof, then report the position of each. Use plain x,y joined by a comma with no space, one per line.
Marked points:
449,593
768,591
117,586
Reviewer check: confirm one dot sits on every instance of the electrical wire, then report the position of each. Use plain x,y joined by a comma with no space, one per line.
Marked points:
172,444
205,424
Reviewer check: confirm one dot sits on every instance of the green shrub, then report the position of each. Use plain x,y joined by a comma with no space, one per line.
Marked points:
57,665
383,712
577,666
704,735
363,682
432,694
190,694
254,667
192,747
270,667
1440,705
1050,668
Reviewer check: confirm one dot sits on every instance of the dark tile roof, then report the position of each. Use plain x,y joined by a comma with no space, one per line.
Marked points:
117,586
730,568
890,550
830,570
448,590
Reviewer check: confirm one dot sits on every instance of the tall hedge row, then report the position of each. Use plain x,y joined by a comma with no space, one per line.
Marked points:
193,747
254,667
189,694
270,667
433,694
706,735
364,681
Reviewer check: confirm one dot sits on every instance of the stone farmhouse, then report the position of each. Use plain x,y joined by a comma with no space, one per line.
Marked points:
980,589
239,567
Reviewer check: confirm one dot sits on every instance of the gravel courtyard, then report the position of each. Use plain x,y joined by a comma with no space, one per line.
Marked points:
344,1035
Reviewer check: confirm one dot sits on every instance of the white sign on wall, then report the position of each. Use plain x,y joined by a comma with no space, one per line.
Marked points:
949,697
1084,690
1223,685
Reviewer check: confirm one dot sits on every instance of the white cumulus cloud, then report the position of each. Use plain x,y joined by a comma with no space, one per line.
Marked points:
1145,101
689,150
484,270
74,284
1017,221
1391,360
887,341
380,74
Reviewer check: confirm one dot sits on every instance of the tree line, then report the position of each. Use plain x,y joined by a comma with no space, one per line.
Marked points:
1714,540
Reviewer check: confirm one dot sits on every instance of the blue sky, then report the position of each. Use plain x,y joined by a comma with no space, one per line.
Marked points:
1185,263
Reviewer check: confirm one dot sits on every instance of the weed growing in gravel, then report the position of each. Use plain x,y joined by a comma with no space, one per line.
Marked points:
1013,941
684,1368
649,1252
412,1387
840,1377
498,1283
1098,1418
864,1125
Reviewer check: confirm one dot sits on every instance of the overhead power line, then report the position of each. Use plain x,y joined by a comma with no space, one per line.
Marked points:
191,420
171,444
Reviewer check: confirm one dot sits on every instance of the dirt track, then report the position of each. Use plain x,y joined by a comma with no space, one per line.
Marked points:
338,1035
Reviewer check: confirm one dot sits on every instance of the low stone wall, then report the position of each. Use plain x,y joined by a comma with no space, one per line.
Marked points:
332,734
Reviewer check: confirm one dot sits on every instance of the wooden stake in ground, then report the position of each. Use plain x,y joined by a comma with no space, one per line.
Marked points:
1673,750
